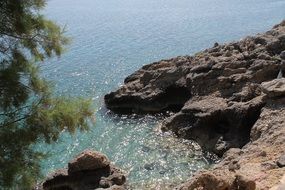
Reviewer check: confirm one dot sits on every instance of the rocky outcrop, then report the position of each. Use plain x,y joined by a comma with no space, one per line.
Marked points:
223,69
217,94
258,162
217,124
154,88
228,98
218,181
89,170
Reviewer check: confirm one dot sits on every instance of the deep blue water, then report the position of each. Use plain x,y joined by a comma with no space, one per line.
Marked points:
113,38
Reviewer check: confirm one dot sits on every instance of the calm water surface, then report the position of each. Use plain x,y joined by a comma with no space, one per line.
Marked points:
113,38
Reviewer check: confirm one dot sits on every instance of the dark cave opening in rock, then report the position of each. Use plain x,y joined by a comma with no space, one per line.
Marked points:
174,98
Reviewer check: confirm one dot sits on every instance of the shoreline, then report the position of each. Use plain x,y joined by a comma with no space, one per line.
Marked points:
222,97
230,99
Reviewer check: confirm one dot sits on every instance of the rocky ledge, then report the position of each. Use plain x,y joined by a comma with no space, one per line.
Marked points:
229,98
88,170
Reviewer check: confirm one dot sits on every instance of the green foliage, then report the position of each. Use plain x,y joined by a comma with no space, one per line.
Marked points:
29,112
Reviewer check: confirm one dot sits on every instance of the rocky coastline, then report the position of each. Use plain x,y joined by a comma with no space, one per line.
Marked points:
230,99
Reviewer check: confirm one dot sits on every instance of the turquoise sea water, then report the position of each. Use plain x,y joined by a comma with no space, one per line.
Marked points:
110,40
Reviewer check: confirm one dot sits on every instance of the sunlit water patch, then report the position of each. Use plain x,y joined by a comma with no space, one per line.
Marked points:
134,143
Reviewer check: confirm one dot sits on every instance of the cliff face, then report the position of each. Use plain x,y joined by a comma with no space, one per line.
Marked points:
226,98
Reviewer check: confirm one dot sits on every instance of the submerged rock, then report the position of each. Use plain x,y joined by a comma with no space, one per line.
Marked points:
89,170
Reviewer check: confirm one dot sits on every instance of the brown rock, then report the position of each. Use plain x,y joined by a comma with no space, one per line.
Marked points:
206,181
88,160
89,170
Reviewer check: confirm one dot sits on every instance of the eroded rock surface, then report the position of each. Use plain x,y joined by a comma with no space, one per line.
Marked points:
274,88
217,124
154,88
89,170
218,181
258,161
224,69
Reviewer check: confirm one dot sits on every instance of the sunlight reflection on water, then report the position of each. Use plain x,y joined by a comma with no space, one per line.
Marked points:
110,40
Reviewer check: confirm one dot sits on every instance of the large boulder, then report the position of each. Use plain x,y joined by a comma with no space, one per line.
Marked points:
88,160
88,170
208,181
